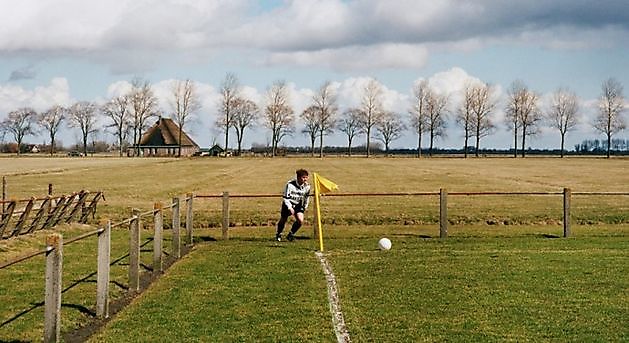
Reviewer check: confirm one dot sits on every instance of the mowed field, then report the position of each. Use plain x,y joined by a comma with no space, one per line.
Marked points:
503,274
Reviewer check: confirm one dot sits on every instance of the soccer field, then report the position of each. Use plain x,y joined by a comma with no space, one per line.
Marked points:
502,274
475,286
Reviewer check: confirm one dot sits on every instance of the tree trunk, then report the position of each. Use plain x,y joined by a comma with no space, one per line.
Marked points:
477,144
368,135
321,144
562,143
419,144
515,141
609,143
523,141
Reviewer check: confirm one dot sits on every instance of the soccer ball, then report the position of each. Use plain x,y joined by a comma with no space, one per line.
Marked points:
384,244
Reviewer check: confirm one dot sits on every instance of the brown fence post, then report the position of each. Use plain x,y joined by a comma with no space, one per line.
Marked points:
567,194
225,215
134,251
52,302
176,224
158,237
4,191
189,218
50,189
102,273
443,213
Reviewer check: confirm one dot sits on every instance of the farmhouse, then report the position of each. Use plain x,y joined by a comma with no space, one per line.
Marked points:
162,139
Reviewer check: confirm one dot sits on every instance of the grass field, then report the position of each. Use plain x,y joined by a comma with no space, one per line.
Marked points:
511,280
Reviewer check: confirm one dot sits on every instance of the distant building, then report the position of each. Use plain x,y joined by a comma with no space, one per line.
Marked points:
162,139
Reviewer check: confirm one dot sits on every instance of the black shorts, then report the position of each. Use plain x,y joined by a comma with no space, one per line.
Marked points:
286,211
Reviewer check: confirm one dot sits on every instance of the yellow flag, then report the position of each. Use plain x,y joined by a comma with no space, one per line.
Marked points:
324,184
321,185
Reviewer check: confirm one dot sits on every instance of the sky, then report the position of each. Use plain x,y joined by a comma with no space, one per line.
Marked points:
63,51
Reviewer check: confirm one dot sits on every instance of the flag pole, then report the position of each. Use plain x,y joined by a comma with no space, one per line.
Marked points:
318,208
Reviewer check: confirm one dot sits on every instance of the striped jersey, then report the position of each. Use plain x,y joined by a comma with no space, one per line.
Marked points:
295,195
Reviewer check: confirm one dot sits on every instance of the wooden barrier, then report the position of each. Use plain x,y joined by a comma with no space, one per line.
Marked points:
443,213
43,213
54,258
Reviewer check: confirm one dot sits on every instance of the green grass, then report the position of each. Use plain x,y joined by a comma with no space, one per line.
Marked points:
478,285
509,280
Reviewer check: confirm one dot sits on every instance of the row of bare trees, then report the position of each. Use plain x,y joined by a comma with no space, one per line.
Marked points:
428,114
126,115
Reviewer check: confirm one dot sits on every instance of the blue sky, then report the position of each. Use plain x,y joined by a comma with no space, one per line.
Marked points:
61,51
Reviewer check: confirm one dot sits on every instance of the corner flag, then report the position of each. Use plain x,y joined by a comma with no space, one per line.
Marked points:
321,185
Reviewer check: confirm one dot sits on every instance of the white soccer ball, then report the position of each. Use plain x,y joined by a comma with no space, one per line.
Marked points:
384,244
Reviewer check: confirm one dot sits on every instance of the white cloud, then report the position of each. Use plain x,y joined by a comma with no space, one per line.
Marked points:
40,98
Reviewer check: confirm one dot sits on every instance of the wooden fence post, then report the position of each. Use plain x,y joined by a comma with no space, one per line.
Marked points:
225,215
52,302
567,194
4,192
134,252
189,219
176,224
158,237
102,273
443,213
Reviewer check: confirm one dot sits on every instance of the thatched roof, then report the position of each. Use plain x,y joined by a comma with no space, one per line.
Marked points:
166,132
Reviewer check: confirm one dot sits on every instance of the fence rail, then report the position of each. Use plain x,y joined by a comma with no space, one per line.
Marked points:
42,213
54,259
55,242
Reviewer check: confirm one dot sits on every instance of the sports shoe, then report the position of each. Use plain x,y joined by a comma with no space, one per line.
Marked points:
278,237
290,237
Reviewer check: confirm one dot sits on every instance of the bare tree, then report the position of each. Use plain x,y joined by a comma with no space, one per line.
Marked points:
371,109
19,123
563,114
522,112
143,107
350,125
390,128
531,116
185,104
117,110
482,106
230,90
611,105
436,106
418,112
278,114
83,115
311,125
51,122
325,101
464,116
245,114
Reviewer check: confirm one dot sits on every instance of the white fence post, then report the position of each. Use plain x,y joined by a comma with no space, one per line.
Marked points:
158,237
176,224
102,276
52,302
134,251
225,216
443,213
189,218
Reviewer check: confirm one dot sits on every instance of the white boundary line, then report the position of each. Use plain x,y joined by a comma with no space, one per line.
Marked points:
340,329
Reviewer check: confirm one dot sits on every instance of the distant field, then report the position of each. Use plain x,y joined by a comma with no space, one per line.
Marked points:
129,183
517,230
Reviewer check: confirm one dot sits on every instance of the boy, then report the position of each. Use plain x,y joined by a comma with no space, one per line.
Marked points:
294,203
